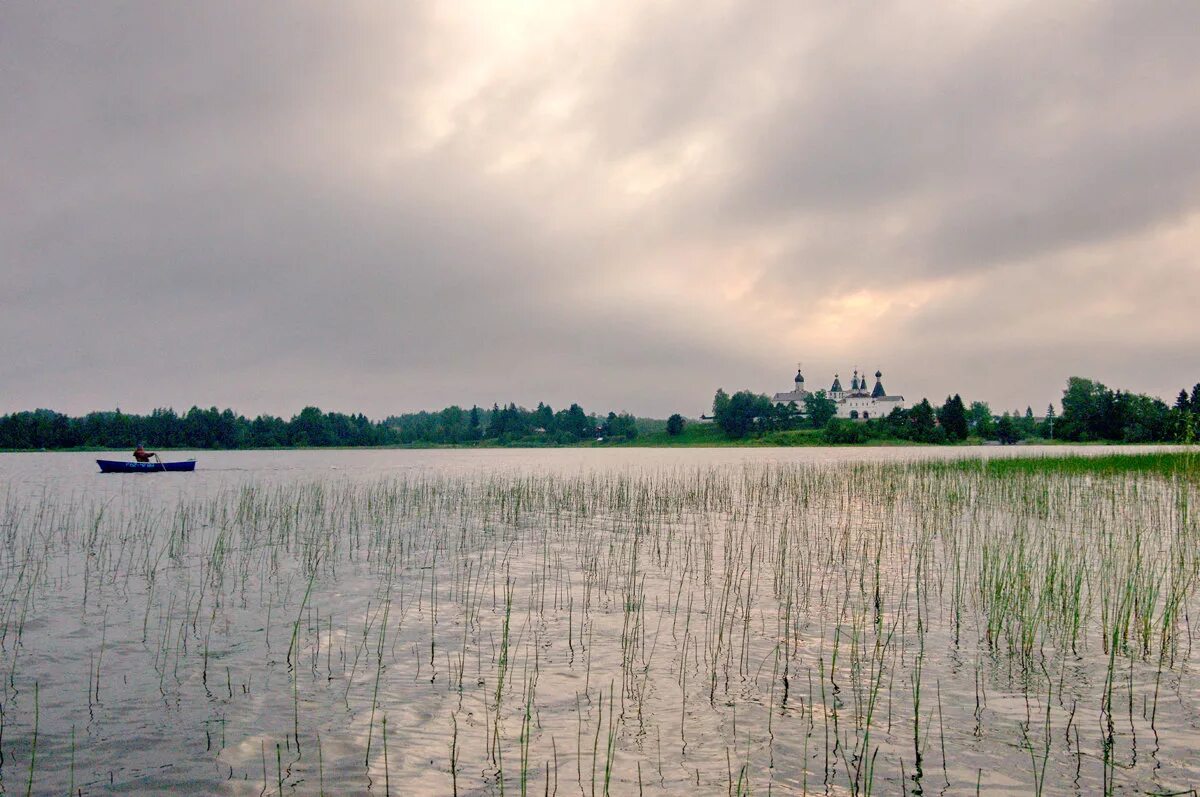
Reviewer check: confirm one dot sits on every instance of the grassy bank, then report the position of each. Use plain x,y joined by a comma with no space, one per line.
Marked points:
1168,464
708,435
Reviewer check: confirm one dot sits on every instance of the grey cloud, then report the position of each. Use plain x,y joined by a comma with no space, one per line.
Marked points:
1066,123
220,179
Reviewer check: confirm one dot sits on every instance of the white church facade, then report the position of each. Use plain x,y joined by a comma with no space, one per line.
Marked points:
857,403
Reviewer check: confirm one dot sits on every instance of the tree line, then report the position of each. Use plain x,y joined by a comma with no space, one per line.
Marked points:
1090,412
512,425
224,429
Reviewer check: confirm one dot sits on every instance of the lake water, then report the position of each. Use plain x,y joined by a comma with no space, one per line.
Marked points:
566,621
223,468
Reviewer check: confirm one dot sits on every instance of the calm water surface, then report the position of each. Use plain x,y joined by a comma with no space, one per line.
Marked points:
223,468
574,621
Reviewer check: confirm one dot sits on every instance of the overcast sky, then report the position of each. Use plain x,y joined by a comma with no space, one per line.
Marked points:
395,206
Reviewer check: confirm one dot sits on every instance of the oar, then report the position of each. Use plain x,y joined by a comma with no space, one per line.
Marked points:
160,462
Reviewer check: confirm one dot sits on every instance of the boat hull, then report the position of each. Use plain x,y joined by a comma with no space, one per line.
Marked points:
122,466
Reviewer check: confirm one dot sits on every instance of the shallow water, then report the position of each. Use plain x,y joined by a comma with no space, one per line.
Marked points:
576,621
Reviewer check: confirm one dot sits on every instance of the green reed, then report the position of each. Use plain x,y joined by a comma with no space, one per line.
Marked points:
726,609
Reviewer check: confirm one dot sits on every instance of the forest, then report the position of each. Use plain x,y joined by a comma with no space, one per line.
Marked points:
225,429
1090,412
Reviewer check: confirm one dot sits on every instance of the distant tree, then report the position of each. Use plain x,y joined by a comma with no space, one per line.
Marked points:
720,410
199,428
776,417
794,417
1025,423
163,428
1006,431
575,423
1048,424
819,408
1183,418
1084,405
515,420
773,418
1110,418
230,430
1186,430
980,420
1195,400
620,426
267,431
720,403
122,427
451,425
1091,411
923,423
474,426
39,429
896,424
543,417
953,418
1145,419
631,426
309,428
741,413
675,425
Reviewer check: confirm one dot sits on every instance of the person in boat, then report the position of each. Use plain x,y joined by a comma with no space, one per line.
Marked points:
142,455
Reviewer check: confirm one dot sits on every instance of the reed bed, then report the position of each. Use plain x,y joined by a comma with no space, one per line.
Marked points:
761,629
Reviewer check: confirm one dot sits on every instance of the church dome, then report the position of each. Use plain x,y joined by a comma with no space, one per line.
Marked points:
837,385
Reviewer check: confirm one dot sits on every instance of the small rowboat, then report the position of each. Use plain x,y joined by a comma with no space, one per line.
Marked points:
122,466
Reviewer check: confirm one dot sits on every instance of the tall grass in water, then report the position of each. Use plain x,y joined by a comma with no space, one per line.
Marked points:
1019,624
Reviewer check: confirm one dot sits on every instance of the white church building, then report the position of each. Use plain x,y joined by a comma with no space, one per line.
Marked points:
857,403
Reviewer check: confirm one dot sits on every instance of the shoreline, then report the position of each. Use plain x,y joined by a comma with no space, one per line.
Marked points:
714,444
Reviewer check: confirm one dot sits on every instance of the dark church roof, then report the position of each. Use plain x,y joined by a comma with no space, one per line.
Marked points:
837,385
878,391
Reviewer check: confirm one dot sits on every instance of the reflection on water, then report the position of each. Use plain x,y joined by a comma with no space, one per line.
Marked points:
610,621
